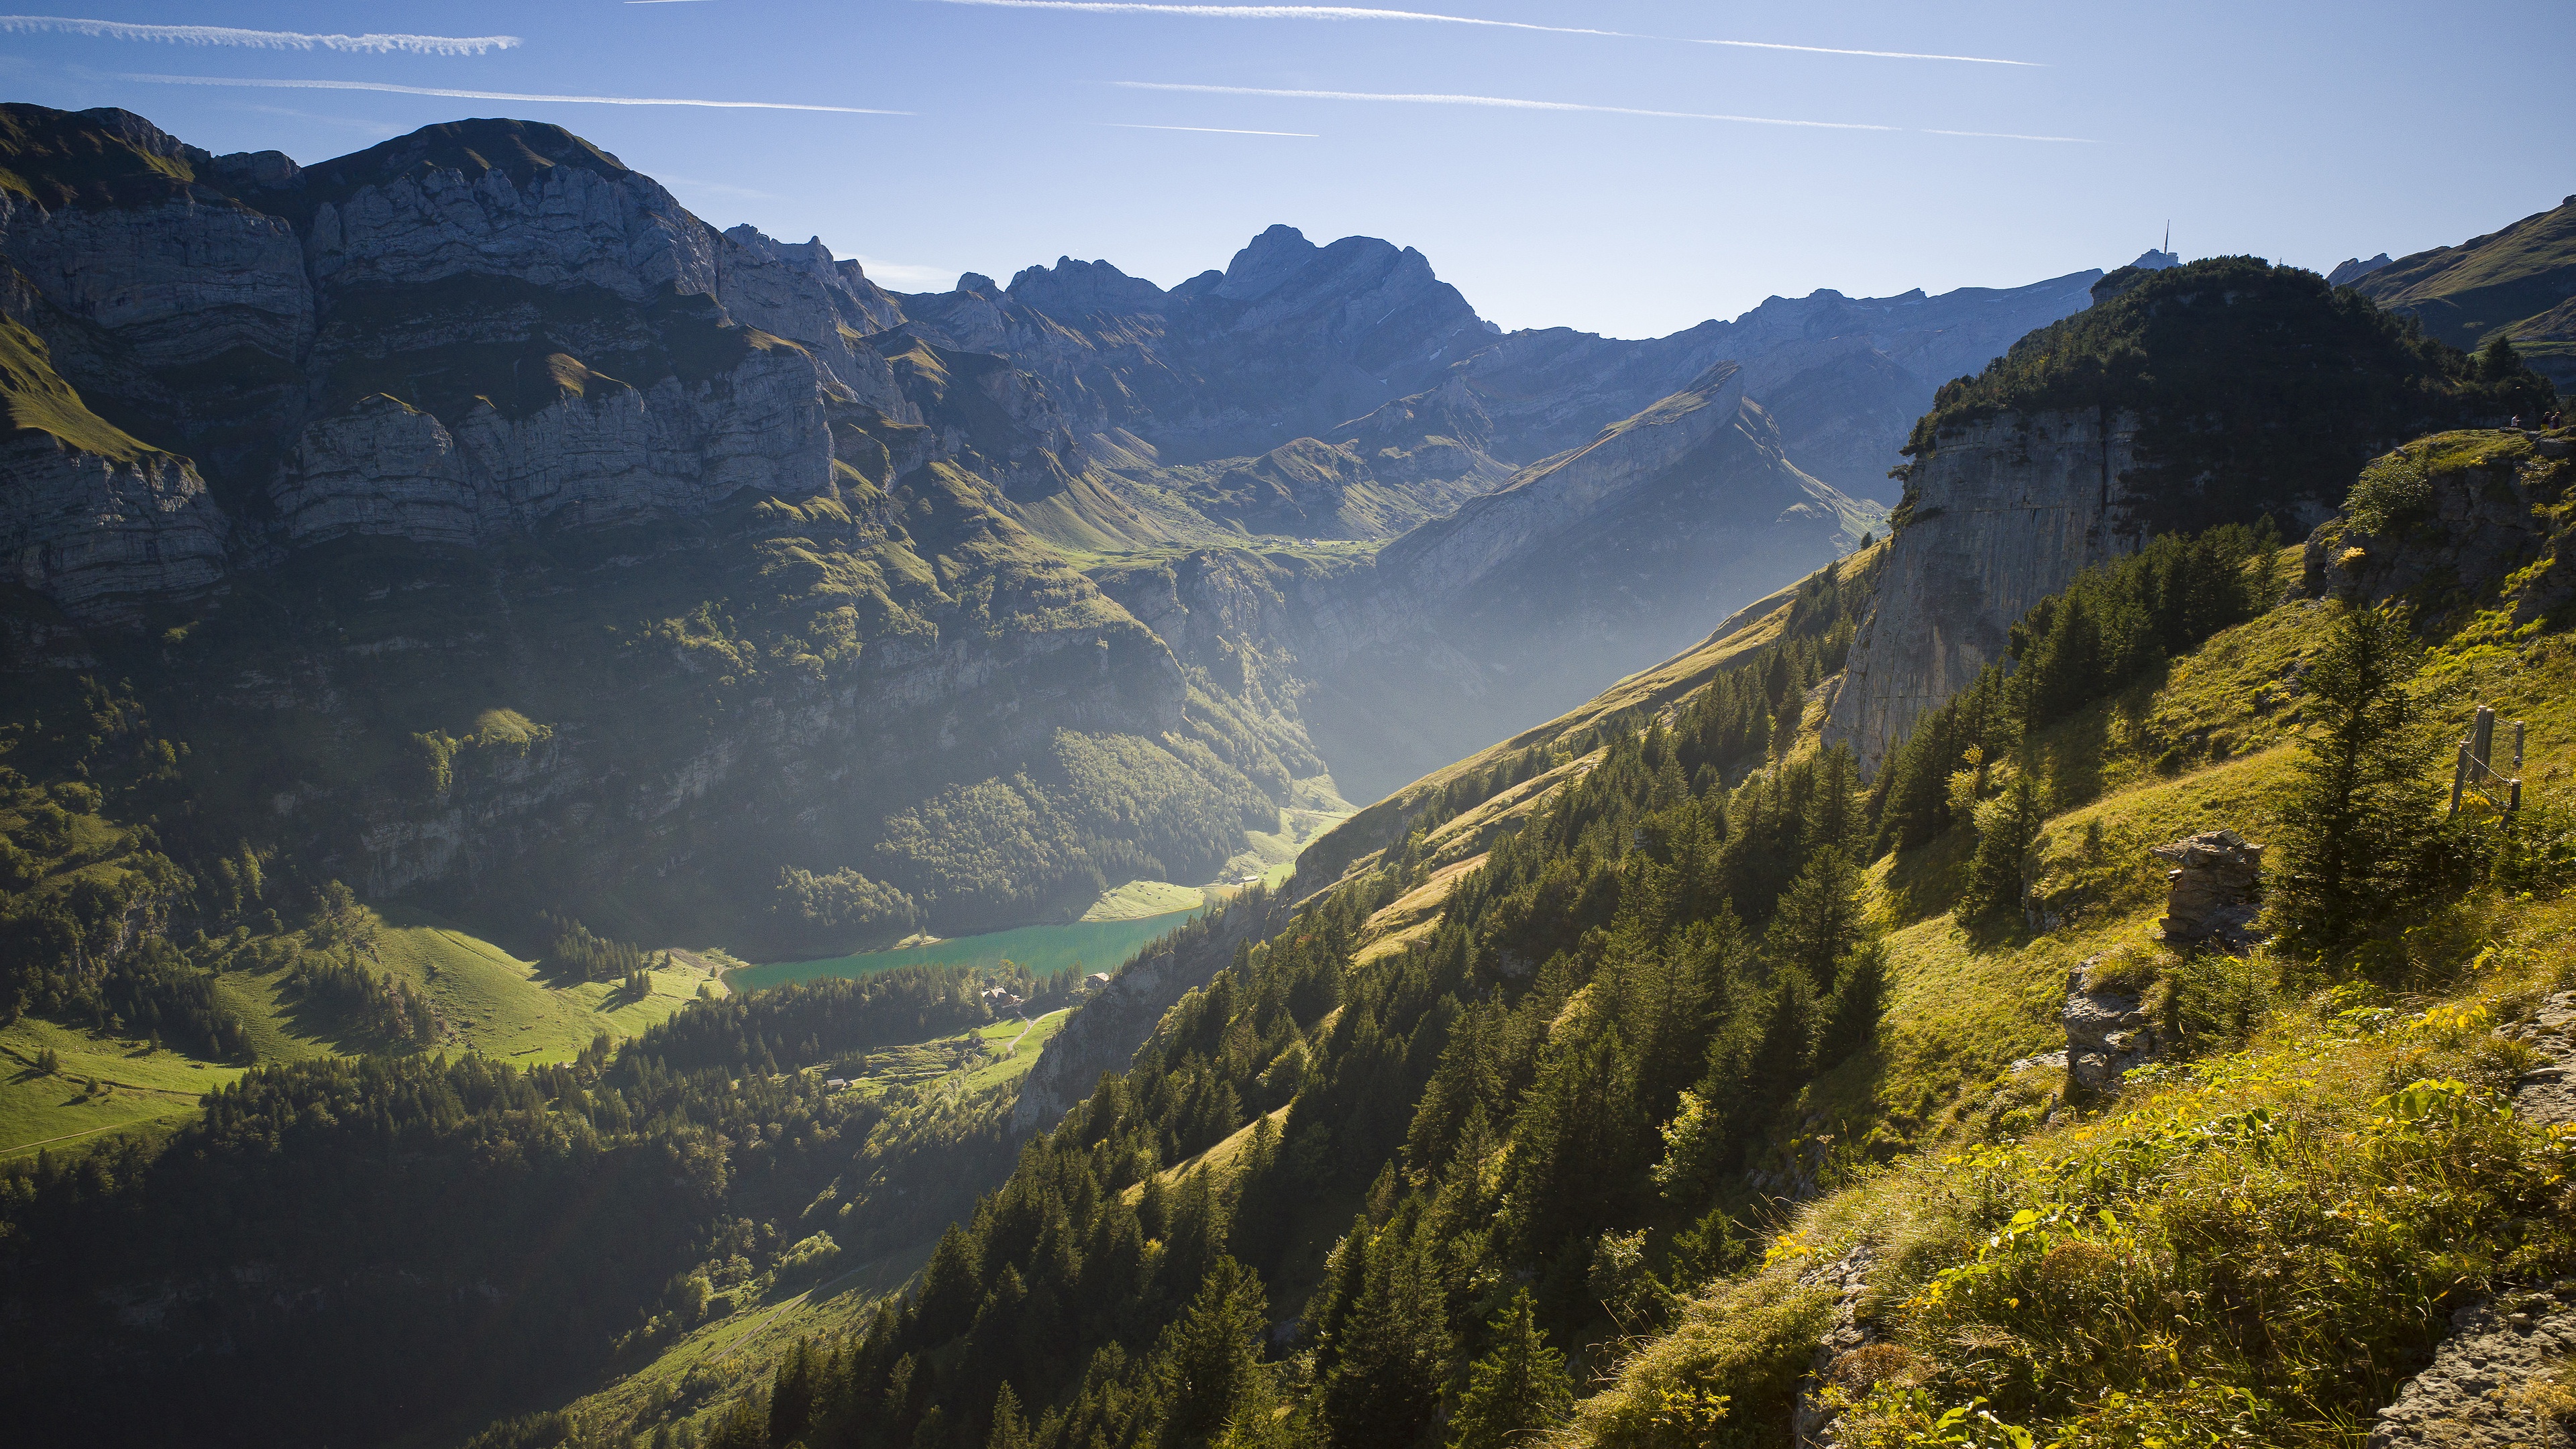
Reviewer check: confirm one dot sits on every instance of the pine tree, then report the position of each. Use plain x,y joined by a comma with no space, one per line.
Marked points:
1860,997
1209,1360
1516,1392
1010,1431
2007,831
950,1293
2359,814
1834,818
1819,919
2498,361
1781,1053
1390,1353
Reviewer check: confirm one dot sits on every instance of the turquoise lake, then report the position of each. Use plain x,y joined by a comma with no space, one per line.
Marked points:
1092,945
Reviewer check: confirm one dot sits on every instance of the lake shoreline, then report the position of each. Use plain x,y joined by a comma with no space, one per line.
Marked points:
1040,949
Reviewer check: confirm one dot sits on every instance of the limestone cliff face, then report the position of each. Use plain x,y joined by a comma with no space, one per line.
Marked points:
602,457
526,440
183,282
103,537
426,209
2007,512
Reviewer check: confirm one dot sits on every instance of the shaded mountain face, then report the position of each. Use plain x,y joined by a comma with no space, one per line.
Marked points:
542,547
1614,556
501,535
2519,282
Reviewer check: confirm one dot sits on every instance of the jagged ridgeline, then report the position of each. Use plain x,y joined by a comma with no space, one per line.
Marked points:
494,535
551,553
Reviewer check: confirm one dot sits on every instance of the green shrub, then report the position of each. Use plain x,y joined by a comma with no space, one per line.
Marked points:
2393,491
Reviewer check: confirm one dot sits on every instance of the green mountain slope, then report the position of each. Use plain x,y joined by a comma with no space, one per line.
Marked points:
1654,1011
2516,283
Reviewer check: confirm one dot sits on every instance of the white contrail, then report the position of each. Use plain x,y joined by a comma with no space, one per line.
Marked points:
1502,101
2010,136
260,39
1211,130
1355,12
341,85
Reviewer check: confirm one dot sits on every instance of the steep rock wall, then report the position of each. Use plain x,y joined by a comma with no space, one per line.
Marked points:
101,536
610,455
2007,512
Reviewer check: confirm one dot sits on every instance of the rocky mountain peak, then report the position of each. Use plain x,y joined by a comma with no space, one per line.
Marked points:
99,158
1270,259
858,300
521,150
1072,288
2354,269
255,170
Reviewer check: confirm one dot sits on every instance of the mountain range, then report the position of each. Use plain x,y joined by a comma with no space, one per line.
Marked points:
518,541
1763,999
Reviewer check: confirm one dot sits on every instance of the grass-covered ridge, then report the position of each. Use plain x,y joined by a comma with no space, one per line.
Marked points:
38,400
103,157
2515,281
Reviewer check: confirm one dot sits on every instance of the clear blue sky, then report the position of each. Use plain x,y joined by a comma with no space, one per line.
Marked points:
2306,132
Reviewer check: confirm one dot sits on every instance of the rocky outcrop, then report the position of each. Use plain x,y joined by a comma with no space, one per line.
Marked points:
607,456
2458,521
386,469
1843,1367
102,537
2005,513
2502,1380
2108,1032
859,303
2211,890
181,284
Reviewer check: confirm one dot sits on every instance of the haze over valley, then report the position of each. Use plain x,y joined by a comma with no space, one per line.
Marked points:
618,831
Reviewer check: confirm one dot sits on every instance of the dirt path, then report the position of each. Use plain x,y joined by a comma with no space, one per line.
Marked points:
2477,1394
72,1136
1026,1026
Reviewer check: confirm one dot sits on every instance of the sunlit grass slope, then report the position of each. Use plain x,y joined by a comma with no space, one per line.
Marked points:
2258,1240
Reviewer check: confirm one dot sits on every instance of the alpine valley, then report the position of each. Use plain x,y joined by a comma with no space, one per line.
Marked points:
1869,874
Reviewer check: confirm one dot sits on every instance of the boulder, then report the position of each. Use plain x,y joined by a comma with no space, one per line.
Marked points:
2107,1033
2212,888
